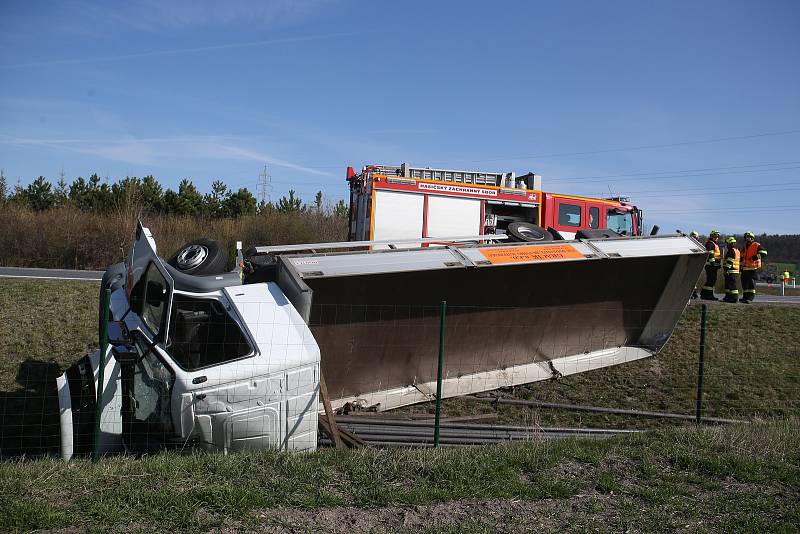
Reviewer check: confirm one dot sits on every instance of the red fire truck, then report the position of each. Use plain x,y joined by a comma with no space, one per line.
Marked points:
404,202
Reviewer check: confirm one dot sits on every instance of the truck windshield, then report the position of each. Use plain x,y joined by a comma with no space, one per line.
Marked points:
202,333
622,223
154,298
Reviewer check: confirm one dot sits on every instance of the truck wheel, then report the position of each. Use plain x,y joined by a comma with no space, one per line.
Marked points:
200,257
520,231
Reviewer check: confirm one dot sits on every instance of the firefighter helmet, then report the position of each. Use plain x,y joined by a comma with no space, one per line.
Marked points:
694,234
731,240
749,234
714,233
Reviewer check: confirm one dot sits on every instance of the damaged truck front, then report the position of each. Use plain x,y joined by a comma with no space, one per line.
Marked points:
233,360
194,360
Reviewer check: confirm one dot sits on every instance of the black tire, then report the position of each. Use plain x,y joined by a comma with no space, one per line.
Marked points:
527,232
596,234
556,234
201,257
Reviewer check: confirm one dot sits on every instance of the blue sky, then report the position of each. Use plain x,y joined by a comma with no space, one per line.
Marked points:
691,108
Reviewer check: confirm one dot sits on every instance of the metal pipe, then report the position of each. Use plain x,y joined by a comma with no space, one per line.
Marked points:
597,409
355,244
437,422
350,419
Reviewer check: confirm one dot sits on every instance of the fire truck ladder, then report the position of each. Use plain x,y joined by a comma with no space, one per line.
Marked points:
446,175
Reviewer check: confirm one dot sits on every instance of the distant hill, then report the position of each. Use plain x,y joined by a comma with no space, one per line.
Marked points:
780,248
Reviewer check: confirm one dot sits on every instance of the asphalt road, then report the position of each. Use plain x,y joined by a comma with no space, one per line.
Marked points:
66,274
50,274
762,299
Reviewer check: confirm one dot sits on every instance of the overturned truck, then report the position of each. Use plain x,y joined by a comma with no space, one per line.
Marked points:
233,360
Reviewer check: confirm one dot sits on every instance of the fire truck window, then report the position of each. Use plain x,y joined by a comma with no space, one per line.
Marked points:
569,214
594,218
202,333
620,222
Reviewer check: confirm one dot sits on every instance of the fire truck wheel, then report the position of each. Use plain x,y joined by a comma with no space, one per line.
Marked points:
200,257
520,231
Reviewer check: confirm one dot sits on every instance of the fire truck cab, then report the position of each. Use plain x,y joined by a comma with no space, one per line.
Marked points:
404,202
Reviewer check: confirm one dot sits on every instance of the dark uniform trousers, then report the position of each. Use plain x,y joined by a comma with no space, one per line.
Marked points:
711,281
731,288
749,284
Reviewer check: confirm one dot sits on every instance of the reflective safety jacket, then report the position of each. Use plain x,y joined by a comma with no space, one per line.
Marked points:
751,256
714,253
732,256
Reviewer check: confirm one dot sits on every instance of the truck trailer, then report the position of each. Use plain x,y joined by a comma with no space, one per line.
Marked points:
231,360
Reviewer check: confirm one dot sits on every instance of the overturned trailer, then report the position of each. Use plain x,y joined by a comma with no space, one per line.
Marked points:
232,361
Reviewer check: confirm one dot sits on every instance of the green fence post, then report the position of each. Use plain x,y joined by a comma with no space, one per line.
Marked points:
701,370
101,371
442,313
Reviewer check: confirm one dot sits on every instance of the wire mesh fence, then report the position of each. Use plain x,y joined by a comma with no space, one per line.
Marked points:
231,371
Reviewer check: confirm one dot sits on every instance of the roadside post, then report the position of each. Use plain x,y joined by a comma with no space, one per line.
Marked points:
700,371
442,313
100,372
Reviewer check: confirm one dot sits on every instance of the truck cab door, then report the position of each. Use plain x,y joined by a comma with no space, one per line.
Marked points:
146,383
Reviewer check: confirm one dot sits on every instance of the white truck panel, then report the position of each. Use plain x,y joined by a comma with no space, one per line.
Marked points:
397,216
452,216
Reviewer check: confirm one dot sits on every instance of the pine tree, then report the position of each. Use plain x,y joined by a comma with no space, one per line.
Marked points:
40,194
341,209
3,186
291,204
215,201
240,203
152,194
61,193
318,202
79,194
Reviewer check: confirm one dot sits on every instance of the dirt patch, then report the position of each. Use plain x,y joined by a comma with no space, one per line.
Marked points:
466,515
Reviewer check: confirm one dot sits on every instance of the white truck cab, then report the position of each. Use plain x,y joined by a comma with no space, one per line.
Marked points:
196,359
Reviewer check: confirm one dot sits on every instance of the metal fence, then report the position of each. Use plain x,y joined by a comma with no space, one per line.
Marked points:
403,375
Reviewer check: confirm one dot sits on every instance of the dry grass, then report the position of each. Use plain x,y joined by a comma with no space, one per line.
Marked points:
752,370
67,238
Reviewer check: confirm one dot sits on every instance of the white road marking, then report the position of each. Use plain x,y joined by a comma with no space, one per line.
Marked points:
48,277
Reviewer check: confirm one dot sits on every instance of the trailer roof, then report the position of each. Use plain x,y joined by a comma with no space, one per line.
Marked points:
486,256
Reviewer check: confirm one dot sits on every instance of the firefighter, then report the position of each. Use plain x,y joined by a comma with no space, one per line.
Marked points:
786,278
752,255
731,270
712,266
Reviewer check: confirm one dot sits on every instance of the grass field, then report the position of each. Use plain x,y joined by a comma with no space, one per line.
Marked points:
743,477
733,478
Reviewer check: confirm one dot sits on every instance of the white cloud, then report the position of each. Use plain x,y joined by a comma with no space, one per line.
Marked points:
156,15
177,51
166,150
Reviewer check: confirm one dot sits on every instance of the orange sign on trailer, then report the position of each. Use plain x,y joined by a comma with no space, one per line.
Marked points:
531,254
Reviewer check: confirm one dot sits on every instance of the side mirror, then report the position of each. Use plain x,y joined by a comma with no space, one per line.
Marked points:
125,355
118,333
